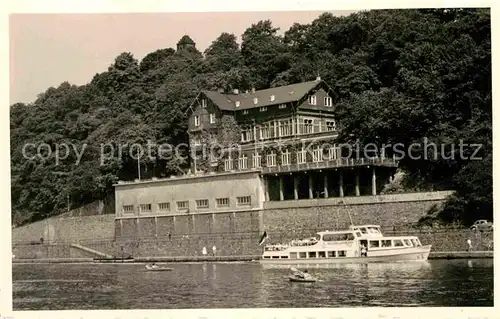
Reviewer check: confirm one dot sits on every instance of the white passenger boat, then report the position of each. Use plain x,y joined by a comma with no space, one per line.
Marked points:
358,244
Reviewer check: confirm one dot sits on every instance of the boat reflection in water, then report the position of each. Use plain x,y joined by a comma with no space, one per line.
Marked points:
396,266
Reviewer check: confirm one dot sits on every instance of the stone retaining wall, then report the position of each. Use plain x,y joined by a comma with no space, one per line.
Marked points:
65,229
24,251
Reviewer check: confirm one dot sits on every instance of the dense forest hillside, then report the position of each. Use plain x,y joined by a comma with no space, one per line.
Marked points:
400,76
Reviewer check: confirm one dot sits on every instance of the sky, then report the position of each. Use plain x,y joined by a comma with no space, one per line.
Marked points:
48,49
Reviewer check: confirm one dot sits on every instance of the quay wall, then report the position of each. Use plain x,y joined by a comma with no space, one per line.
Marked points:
66,228
237,233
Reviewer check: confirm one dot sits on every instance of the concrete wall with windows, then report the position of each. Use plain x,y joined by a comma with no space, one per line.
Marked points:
208,193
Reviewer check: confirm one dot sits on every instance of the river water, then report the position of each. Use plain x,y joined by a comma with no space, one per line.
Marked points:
250,285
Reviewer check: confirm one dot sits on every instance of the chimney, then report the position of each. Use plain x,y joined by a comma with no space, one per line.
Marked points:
318,78
236,91
237,103
272,98
253,90
221,90
255,100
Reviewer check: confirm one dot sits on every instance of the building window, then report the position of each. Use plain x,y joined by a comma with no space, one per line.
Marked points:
222,202
285,158
201,203
212,118
145,208
317,155
285,128
328,101
312,99
271,159
203,103
265,132
128,208
256,160
332,153
282,106
164,207
228,164
330,126
182,205
243,200
245,112
196,120
301,157
243,162
307,127
263,109
246,135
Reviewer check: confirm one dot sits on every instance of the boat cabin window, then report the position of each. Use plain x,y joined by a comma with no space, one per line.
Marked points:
373,230
321,254
302,255
284,257
293,255
338,237
312,254
417,242
397,243
374,244
342,253
386,243
331,254
363,230
275,257
358,234
407,242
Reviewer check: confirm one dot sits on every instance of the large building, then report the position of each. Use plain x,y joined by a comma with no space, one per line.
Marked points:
288,134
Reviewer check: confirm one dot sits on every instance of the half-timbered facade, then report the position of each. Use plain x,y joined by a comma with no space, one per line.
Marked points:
288,133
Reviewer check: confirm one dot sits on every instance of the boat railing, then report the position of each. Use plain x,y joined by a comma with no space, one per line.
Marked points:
275,247
306,242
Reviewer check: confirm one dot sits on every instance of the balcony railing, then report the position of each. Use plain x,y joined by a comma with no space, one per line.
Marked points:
390,162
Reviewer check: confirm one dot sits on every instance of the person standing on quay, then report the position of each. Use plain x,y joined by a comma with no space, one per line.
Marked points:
469,245
214,250
204,251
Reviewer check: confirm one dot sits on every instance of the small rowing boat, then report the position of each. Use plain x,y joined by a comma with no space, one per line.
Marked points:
156,268
298,279
300,276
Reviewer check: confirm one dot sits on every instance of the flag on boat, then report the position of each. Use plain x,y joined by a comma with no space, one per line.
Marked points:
263,238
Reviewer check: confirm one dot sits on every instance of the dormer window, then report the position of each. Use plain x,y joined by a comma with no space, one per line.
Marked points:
282,106
272,98
203,103
312,99
196,120
237,103
245,112
263,109
328,101
255,100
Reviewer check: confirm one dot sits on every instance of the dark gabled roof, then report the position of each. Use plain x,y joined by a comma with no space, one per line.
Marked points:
221,100
282,94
